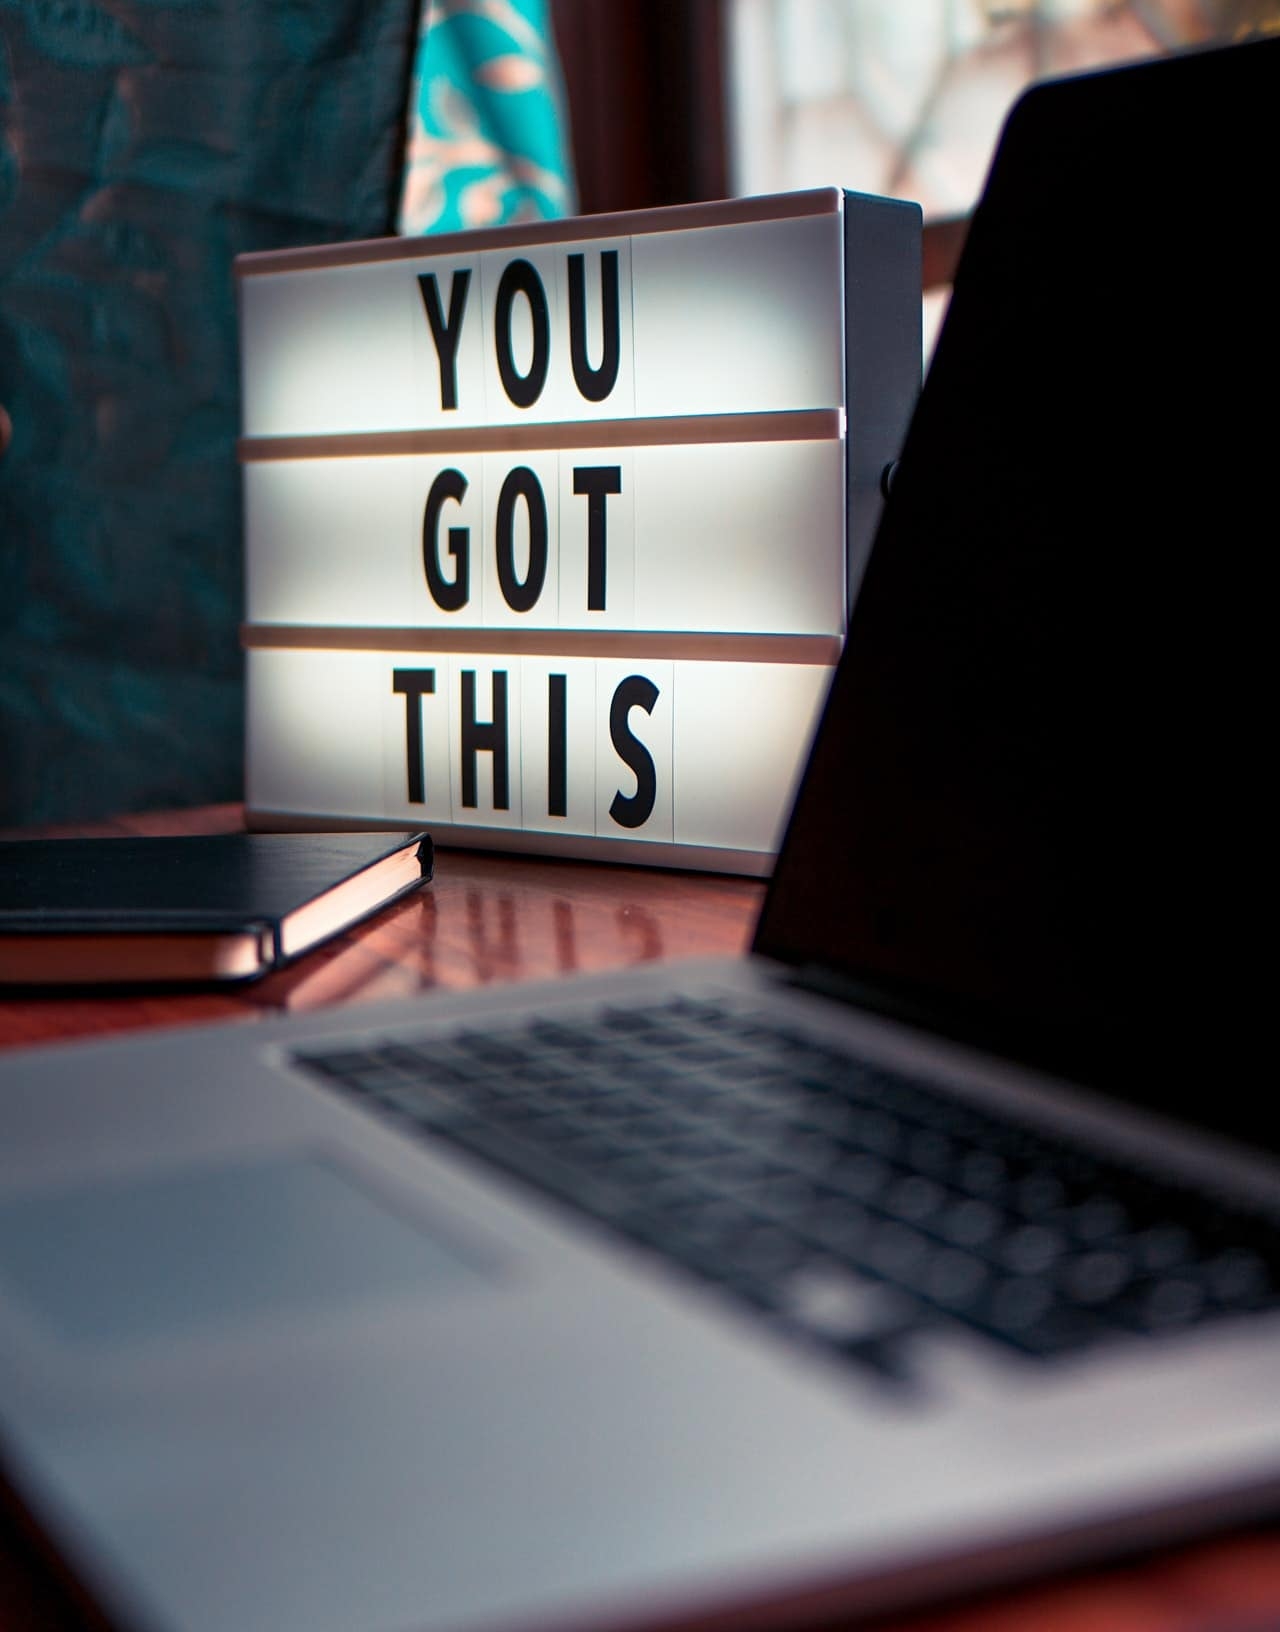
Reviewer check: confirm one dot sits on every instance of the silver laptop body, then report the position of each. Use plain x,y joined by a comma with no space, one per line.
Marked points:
933,1242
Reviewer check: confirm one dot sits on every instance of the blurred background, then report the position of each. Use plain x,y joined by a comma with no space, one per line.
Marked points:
145,143
901,97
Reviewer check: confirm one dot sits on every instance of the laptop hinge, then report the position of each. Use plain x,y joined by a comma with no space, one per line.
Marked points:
951,1025
813,977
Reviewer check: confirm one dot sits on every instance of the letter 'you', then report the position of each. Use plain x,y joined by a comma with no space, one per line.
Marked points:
520,283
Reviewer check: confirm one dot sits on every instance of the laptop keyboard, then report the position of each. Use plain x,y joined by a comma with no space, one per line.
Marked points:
851,1204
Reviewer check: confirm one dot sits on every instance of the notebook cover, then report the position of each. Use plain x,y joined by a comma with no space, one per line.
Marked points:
207,885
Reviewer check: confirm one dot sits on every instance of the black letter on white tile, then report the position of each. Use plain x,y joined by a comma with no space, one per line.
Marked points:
446,332
594,383
521,483
414,685
634,692
449,595
597,482
484,738
520,278
557,745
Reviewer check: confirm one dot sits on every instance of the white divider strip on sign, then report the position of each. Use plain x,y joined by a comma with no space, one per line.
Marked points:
640,644
793,425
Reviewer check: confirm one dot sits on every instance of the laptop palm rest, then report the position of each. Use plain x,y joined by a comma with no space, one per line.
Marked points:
187,1252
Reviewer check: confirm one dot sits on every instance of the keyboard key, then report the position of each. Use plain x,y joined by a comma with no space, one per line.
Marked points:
956,1280
1016,1306
931,1153
1032,1249
1163,1247
1171,1302
899,1254
1039,1192
840,1225
970,1223
1238,1276
1097,1277
830,1301
860,1175
982,1174
915,1198
1097,1218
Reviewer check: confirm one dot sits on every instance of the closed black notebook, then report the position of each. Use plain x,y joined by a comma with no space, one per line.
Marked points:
218,907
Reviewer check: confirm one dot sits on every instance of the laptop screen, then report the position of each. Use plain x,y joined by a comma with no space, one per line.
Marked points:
1034,812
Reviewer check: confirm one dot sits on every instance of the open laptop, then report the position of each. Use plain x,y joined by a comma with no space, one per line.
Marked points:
937,1239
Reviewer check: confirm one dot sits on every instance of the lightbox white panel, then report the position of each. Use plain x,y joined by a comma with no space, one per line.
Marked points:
634,706
742,733
748,316
715,319
558,744
741,537
314,738
331,540
732,538
702,754
330,349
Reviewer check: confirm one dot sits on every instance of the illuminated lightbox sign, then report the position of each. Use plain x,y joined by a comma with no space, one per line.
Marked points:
552,531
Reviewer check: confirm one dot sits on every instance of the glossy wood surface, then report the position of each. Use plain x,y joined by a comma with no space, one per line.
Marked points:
485,918
490,919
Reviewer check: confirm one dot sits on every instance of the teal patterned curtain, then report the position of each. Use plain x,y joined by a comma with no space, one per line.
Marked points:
143,144
487,130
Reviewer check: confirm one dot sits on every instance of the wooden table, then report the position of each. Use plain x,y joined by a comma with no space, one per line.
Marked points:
490,919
